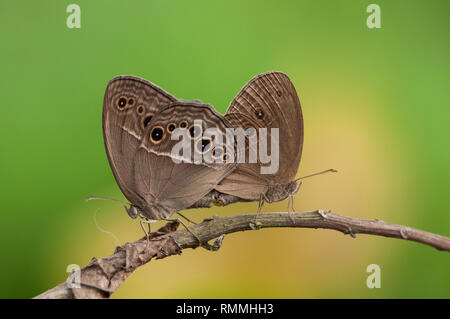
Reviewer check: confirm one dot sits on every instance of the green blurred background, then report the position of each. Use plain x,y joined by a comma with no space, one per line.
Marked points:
376,107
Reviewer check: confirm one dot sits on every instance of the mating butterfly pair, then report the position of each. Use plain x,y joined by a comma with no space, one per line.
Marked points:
139,118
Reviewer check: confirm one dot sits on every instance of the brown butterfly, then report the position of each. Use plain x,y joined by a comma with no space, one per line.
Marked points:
269,100
138,121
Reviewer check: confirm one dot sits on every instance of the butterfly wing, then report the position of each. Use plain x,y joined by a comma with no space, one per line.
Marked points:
128,106
269,100
159,176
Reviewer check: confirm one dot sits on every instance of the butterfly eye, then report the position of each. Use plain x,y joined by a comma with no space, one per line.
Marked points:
157,134
183,124
171,127
259,114
203,145
195,131
140,109
121,102
279,93
146,120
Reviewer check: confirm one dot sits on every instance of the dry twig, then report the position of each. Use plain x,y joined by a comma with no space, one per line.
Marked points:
103,276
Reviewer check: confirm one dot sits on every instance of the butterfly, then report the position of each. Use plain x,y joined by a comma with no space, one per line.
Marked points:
268,101
138,121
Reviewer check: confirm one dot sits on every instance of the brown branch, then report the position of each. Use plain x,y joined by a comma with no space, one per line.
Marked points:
103,276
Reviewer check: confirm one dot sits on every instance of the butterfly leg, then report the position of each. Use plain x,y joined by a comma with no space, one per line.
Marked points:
262,197
291,203
214,247
189,220
260,204
187,228
147,234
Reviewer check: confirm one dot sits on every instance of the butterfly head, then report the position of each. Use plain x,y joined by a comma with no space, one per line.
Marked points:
132,211
150,212
280,191
293,187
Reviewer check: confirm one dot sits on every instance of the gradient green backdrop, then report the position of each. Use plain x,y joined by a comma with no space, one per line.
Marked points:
376,107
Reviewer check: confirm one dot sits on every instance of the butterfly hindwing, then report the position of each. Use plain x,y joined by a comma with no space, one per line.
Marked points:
162,177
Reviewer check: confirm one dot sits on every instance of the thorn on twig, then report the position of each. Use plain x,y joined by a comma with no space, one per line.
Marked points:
323,213
255,226
350,232
404,232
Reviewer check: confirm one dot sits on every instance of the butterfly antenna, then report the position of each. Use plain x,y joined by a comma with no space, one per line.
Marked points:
103,230
106,198
331,170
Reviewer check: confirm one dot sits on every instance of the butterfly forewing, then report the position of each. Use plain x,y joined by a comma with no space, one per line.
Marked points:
128,106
